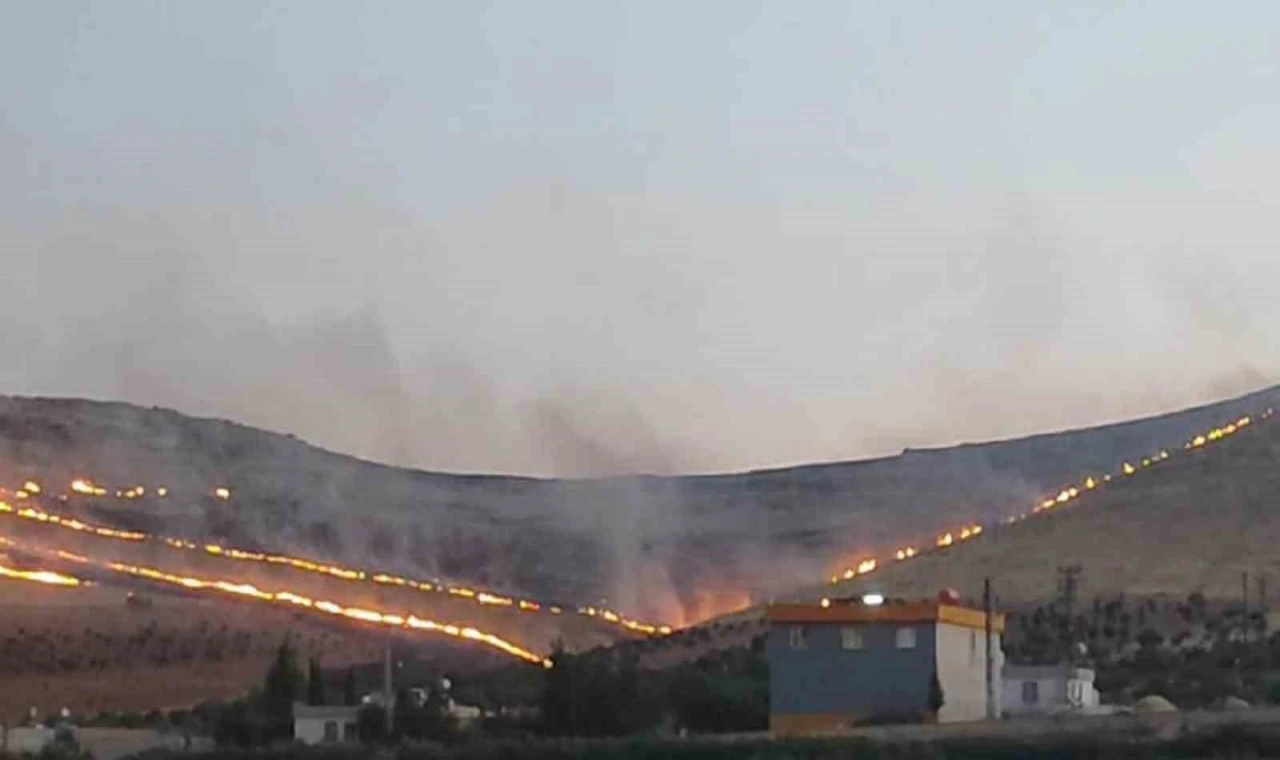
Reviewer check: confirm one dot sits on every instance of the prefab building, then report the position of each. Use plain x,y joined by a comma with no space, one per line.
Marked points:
838,665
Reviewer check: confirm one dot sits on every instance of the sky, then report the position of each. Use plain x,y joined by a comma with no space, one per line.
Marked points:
589,238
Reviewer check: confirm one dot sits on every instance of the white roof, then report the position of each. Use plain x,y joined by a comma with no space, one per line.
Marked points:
324,712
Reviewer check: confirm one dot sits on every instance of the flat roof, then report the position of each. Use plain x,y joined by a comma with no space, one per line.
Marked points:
1062,670
324,712
889,612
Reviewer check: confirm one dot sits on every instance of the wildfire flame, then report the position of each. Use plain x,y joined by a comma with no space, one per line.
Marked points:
87,488
481,597
411,622
1067,495
47,577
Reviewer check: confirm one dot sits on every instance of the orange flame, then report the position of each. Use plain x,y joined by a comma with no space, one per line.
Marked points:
47,577
481,597
355,613
87,488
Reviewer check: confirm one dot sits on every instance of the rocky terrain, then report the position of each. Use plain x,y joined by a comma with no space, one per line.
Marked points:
675,548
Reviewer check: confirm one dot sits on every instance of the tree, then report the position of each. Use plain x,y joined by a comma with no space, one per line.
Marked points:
281,688
315,683
349,696
1150,638
936,698
430,720
559,692
371,723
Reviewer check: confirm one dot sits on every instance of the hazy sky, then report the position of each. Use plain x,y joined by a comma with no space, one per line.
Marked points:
590,237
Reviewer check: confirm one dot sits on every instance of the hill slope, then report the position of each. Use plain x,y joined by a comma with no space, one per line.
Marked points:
678,548
1196,522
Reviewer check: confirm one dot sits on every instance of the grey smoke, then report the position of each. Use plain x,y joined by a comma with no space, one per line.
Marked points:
486,239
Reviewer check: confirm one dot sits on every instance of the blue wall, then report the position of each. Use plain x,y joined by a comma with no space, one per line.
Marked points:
877,679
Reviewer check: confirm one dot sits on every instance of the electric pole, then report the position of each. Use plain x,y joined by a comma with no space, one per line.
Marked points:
988,612
388,693
1068,583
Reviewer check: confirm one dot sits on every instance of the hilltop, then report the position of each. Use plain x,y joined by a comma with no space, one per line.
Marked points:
678,548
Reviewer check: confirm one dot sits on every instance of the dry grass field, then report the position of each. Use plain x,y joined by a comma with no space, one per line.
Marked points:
87,650
535,631
1196,522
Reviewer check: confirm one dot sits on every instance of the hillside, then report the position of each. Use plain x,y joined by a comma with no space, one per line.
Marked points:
87,650
675,548
1194,523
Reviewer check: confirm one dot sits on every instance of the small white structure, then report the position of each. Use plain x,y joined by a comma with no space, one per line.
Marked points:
464,714
1046,689
325,724
23,740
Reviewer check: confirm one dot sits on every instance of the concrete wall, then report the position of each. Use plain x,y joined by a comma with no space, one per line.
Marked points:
1054,692
962,672
21,739
311,730
825,680
1052,695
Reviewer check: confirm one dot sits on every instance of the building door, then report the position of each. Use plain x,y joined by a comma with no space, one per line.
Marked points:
1030,692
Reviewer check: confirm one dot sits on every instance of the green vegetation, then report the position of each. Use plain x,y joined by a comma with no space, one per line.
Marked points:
266,715
1192,652
606,694
315,683
1234,742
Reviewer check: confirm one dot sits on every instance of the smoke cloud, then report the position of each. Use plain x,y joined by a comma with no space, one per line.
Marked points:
485,239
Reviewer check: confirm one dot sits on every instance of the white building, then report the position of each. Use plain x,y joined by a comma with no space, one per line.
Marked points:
325,724
464,715
1045,689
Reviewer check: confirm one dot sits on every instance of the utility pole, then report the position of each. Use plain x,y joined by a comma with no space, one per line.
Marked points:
1244,596
1068,582
992,711
1262,606
387,692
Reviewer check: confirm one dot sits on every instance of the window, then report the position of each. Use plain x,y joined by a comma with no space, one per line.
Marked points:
1030,692
850,638
906,638
331,730
973,648
350,732
799,637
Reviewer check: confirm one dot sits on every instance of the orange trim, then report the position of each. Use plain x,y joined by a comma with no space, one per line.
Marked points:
970,618
910,612
812,724
783,725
